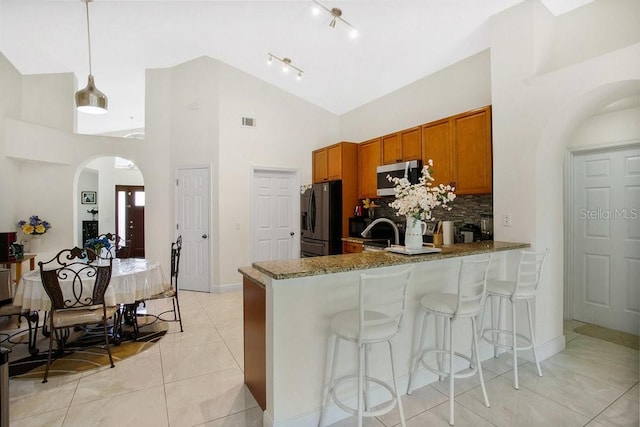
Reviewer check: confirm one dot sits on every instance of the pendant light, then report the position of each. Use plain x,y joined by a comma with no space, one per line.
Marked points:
90,99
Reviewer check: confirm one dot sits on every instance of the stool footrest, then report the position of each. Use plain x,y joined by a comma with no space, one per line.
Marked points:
496,342
472,372
367,413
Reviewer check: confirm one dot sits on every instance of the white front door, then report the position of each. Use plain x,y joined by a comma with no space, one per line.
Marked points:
275,212
192,223
606,239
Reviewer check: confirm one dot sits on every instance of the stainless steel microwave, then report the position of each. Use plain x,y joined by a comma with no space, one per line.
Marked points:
411,170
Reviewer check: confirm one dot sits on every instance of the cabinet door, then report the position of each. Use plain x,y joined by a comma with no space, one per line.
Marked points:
437,145
320,172
410,144
334,162
368,160
351,248
472,134
391,152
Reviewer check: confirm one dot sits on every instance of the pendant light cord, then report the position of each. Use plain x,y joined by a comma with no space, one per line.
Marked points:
88,35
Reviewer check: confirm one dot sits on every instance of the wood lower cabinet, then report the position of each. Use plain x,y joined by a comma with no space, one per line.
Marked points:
460,147
255,346
351,248
369,158
402,146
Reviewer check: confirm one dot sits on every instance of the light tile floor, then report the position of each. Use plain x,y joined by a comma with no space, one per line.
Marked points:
195,378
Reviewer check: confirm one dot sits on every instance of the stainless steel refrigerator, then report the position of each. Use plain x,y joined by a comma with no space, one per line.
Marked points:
321,220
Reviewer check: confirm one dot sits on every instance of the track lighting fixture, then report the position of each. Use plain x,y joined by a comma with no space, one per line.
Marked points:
286,65
336,15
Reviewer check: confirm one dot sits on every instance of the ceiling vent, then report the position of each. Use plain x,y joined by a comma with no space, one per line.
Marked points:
248,122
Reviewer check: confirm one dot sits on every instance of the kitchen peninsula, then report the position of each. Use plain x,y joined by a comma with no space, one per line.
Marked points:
288,306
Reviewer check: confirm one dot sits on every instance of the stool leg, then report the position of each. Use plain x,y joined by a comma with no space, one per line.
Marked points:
515,344
418,357
449,323
496,335
445,330
479,366
367,348
361,352
332,374
395,384
533,340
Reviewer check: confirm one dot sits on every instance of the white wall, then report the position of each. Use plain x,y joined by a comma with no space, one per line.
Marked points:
460,87
10,104
48,100
608,127
287,130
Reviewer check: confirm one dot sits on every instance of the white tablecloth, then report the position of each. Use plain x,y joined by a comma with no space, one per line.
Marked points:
132,279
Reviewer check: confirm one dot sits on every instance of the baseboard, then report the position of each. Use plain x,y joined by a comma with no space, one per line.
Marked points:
546,350
231,287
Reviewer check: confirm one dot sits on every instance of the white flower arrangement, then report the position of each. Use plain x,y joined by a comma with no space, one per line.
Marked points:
418,200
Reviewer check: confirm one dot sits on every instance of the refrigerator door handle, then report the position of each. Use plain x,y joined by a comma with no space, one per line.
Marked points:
312,212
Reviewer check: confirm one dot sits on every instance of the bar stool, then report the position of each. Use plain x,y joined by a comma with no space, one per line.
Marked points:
466,304
523,288
378,318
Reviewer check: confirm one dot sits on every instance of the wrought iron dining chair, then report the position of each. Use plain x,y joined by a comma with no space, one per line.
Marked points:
172,291
82,302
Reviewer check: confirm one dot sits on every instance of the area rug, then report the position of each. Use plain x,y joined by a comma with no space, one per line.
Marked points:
86,357
610,335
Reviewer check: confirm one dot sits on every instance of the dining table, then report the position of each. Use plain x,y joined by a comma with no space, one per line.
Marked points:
132,280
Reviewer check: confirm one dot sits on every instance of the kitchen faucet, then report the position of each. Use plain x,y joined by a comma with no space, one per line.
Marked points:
367,231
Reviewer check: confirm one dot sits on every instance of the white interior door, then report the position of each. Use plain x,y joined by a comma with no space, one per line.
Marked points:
606,239
275,212
192,223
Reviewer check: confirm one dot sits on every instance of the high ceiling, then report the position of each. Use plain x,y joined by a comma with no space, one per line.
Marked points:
399,41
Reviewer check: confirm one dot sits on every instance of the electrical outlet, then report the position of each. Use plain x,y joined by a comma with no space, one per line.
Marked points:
506,220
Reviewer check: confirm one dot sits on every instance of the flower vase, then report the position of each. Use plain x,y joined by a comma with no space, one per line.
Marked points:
414,230
372,213
34,245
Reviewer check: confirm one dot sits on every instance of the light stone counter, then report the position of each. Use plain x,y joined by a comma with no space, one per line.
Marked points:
340,263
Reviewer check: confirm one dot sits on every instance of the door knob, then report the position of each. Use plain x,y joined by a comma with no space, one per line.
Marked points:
204,236
291,234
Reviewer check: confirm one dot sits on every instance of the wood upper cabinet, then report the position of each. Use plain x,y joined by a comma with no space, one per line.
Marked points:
473,152
330,163
369,158
402,146
460,147
339,162
320,166
437,145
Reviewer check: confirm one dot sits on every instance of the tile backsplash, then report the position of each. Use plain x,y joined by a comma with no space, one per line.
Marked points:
464,209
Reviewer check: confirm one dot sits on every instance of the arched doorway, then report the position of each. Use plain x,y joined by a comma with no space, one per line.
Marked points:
106,210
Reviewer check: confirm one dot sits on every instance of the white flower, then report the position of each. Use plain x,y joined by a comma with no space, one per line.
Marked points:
418,200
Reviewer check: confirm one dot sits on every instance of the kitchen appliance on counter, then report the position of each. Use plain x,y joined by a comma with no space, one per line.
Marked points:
470,233
321,219
412,170
486,227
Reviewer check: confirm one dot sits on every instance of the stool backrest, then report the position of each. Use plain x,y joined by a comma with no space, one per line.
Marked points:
529,272
386,294
472,284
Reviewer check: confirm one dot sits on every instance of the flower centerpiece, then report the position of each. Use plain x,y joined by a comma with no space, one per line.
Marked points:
34,226
417,201
97,244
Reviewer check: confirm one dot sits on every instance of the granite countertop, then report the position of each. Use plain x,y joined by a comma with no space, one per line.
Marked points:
254,275
315,266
